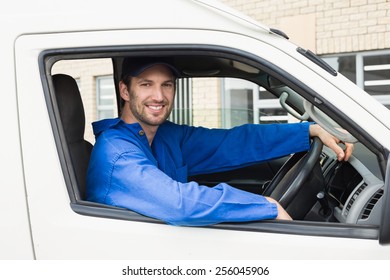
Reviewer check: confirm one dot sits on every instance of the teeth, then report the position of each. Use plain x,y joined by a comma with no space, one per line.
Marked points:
155,107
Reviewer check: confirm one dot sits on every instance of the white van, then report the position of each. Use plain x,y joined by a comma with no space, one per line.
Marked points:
341,210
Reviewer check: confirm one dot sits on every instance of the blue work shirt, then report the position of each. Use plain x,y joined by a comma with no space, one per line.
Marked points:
126,171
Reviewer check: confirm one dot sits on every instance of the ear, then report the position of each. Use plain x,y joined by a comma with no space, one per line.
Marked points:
123,90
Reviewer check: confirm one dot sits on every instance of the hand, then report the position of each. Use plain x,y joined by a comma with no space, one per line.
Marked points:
332,142
282,214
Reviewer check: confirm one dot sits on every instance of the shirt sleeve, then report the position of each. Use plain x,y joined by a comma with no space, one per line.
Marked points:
215,150
134,182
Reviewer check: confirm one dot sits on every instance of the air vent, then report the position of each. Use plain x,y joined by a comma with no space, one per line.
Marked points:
354,197
370,204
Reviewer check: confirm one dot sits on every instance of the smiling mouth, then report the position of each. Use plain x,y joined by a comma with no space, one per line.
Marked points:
159,107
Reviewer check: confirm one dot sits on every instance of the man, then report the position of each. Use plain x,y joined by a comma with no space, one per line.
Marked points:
141,161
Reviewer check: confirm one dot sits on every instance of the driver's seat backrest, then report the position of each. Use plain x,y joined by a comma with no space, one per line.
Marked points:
72,114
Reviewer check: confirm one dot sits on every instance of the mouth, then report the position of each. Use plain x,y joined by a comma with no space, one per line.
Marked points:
155,107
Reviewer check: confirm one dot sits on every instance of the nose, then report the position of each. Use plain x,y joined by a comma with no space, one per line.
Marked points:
158,94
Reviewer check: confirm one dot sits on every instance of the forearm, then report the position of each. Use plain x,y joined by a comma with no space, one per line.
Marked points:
147,190
244,145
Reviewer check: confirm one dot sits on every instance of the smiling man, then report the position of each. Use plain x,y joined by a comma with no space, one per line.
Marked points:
148,91
142,162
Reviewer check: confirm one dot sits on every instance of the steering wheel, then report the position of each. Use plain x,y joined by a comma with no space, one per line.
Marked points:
290,178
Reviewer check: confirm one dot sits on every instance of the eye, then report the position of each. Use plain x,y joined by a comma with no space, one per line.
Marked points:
168,85
145,84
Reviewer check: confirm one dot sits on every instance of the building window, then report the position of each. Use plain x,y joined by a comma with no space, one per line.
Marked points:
246,102
182,107
369,70
106,99
376,71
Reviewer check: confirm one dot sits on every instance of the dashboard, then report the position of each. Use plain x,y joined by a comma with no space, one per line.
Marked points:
354,189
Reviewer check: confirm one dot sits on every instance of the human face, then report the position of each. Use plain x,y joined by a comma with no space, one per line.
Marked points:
150,97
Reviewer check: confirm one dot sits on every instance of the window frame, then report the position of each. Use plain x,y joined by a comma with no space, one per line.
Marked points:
49,57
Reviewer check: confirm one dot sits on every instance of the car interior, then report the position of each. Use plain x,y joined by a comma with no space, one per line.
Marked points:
313,186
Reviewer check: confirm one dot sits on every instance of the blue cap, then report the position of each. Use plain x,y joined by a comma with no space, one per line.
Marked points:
134,66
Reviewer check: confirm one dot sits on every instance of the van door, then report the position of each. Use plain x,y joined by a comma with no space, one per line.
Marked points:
63,228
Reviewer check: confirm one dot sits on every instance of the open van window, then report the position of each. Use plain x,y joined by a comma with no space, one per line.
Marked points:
220,88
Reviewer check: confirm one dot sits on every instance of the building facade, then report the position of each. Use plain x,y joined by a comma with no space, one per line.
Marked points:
352,35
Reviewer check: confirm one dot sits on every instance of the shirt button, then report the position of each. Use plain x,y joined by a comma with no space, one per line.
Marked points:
141,133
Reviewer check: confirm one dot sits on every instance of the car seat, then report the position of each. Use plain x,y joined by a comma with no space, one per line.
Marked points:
71,109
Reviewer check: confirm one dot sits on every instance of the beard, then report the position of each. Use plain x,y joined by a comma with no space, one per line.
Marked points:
144,115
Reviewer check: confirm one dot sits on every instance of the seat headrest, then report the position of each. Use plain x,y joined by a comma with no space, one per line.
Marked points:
70,106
